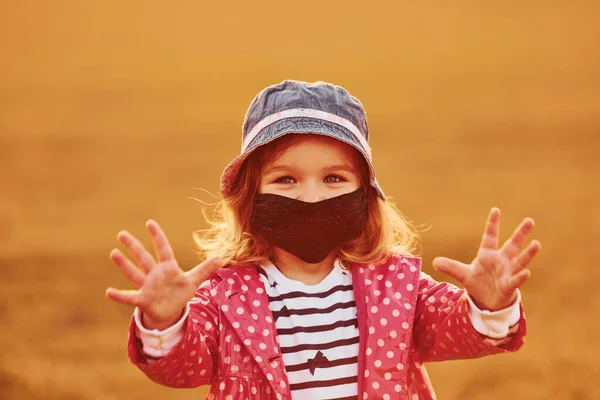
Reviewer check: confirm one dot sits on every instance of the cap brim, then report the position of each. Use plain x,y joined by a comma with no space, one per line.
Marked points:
298,125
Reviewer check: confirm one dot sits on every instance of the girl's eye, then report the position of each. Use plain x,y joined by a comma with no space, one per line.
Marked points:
285,180
334,179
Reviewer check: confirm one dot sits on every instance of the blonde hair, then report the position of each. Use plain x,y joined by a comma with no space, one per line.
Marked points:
229,234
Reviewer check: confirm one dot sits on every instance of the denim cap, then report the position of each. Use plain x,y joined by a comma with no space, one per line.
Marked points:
318,108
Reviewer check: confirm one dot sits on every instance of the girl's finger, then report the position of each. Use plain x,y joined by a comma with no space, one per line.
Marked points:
513,245
137,250
455,269
129,269
164,252
525,257
128,297
492,228
515,281
201,272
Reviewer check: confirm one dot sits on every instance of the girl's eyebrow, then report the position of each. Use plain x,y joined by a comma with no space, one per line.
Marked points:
282,167
276,168
338,167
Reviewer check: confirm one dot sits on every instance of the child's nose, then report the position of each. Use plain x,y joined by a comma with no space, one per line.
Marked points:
311,194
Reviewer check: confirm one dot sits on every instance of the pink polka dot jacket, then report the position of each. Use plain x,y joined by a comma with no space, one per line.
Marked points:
405,319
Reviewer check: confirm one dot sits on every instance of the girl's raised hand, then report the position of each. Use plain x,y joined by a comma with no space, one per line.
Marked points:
163,288
494,276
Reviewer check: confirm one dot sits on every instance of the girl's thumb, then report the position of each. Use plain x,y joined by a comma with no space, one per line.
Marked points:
201,272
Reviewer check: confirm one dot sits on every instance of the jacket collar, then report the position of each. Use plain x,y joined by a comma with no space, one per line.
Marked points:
241,297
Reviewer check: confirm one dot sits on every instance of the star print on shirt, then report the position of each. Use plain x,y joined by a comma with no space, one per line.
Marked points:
319,361
283,312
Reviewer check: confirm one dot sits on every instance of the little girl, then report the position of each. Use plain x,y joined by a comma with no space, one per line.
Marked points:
309,290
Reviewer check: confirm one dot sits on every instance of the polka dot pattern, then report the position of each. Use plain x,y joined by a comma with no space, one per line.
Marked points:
408,319
407,306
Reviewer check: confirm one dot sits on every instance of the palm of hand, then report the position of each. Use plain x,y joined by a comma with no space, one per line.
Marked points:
494,276
488,281
165,287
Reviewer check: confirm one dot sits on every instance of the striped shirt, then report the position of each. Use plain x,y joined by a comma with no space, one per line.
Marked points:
318,332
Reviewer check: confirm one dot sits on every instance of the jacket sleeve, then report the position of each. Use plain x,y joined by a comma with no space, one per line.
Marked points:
191,362
448,326
157,344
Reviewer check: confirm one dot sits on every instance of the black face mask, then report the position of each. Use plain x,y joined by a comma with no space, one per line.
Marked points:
310,231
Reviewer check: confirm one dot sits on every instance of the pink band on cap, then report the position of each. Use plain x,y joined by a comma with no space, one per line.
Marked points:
310,113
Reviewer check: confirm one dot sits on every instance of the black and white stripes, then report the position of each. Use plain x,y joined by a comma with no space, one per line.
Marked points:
318,333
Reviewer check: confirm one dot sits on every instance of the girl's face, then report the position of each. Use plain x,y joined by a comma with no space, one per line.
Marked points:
312,169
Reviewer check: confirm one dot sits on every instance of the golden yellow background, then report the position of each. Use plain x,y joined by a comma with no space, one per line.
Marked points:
114,112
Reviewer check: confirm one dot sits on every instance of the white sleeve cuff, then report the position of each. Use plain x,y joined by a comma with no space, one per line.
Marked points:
157,343
495,324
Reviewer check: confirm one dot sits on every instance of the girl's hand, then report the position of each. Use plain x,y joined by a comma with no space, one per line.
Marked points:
494,276
163,288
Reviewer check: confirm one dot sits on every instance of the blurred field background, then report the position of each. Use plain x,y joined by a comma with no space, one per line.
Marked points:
114,112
